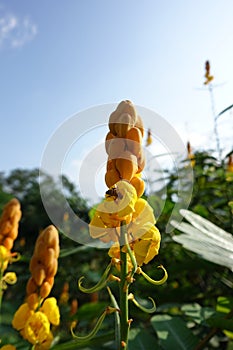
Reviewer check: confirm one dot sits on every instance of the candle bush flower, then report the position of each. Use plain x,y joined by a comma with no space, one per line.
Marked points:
124,220
34,318
9,223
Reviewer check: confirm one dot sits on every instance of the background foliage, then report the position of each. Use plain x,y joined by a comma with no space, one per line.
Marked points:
192,305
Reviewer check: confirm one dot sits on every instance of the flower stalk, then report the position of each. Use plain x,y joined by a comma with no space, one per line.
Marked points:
124,220
124,287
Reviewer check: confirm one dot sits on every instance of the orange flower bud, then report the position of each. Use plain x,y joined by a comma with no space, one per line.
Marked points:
33,301
116,148
127,166
109,137
141,161
31,286
134,140
112,177
139,125
8,243
45,289
123,125
138,184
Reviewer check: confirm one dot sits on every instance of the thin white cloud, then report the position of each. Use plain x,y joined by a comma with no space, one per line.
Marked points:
15,32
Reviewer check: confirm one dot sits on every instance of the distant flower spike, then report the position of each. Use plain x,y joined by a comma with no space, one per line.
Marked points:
34,318
208,77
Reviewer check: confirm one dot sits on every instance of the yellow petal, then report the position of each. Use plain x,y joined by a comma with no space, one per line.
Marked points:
45,345
4,257
21,316
51,310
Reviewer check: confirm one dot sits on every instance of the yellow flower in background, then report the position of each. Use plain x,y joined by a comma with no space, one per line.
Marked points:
37,328
8,347
51,310
230,164
190,154
149,138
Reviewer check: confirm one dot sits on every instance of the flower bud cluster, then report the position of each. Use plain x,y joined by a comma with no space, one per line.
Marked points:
122,201
43,264
9,223
34,317
123,145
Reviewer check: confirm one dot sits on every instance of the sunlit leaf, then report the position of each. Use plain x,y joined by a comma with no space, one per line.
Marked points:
173,333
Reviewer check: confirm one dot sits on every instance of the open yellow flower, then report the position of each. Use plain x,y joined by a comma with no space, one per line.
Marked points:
37,328
8,347
142,220
147,247
109,214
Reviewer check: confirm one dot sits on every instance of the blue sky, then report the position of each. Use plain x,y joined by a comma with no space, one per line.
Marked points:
60,57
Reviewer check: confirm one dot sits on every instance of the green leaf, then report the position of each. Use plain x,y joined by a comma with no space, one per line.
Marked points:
224,304
220,322
173,333
141,339
197,313
230,346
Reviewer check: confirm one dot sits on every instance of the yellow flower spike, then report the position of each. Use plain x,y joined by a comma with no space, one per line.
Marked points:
37,328
21,316
51,310
149,138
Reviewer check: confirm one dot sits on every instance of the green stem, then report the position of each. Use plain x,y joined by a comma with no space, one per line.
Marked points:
124,314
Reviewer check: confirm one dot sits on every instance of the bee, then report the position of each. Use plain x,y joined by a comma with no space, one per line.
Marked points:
112,192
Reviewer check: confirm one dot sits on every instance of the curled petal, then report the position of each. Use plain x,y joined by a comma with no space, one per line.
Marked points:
101,284
149,279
